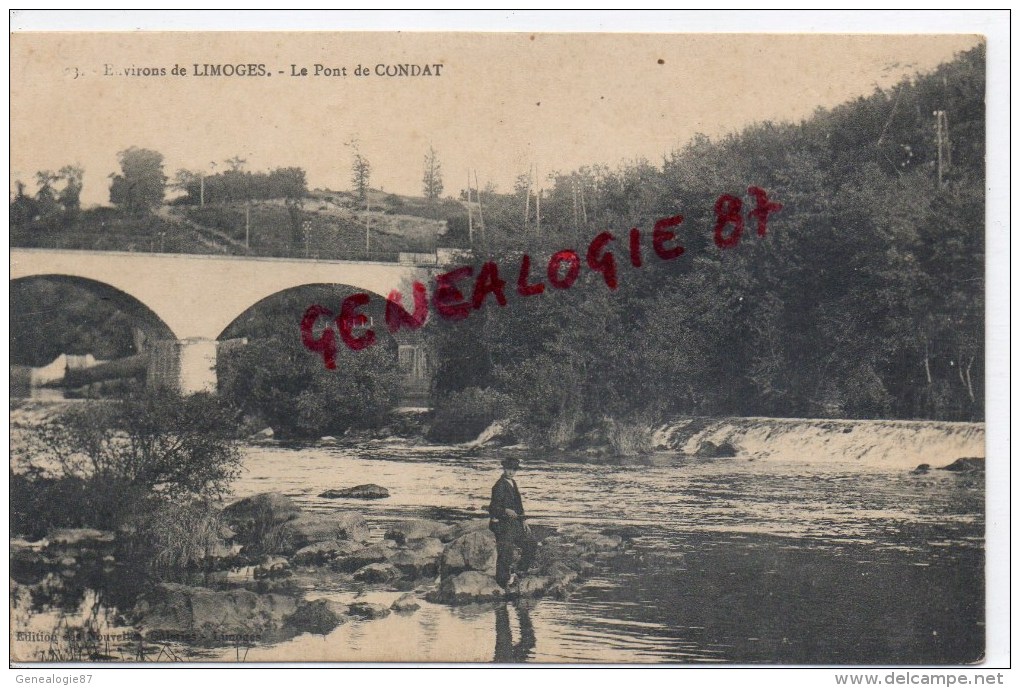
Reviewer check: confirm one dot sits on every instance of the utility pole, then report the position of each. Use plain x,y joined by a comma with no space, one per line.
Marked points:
247,226
538,203
368,221
471,231
573,189
584,210
942,142
481,213
527,202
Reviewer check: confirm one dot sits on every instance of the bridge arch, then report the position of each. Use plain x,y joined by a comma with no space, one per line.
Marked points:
282,312
299,297
132,334
197,297
146,319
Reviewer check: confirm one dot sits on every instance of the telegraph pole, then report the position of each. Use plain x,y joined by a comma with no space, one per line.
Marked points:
942,143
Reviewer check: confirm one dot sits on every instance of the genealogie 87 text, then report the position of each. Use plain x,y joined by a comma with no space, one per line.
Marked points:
454,298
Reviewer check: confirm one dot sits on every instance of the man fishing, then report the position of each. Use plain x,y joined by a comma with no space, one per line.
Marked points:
507,521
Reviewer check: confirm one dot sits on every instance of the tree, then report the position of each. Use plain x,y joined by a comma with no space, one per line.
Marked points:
70,195
361,171
23,207
141,185
432,181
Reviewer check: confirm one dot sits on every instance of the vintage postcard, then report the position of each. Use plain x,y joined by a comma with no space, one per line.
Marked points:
523,347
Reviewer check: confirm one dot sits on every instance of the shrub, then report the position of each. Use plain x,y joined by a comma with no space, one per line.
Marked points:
628,438
290,390
96,464
180,536
462,416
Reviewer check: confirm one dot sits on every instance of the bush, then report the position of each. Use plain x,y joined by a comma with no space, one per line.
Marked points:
179,536
289,388
629,438
41,503
462,416
99,465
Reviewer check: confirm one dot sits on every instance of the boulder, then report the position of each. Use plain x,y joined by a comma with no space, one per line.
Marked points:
533,586
711,450
405,603
419,557
469,586
377,573
464,527
272,567
966,465
262,435
315,616
259,513
372,554
312,528
182,609
921,469
417,529
472,552
368,610
308,529
368,491
585,540
323,552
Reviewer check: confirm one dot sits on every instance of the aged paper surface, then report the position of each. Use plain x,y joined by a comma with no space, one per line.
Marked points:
746,426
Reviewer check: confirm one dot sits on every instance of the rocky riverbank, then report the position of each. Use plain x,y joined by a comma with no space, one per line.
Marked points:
258,581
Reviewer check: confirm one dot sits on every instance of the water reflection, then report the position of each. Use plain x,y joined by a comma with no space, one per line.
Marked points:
732,561
507,651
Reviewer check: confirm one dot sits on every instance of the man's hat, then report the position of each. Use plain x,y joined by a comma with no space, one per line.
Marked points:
511,462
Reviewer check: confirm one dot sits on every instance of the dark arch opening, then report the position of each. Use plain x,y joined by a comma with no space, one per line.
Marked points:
281,313
77,334
264,369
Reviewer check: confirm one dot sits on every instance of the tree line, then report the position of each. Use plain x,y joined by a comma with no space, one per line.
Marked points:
866,299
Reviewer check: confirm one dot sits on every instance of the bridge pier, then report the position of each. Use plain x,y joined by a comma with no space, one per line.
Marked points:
186,366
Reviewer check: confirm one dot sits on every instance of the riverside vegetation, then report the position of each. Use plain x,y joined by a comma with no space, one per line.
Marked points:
126,499
865,300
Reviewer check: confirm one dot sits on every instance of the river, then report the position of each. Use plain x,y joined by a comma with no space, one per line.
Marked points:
732,560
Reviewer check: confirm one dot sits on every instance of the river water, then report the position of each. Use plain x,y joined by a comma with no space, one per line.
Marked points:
732,560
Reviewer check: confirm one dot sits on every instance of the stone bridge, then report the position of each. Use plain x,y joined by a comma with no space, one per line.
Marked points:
183,303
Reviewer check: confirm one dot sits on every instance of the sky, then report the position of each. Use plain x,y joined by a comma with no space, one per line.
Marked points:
503,102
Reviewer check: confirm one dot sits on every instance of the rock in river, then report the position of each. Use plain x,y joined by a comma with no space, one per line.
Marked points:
469,586
405,603
369,491
305,530
183,609
323,552
78,536
368,610
259,512
966,465
373,554
416,529
472,552
315,616
377,573
419,557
